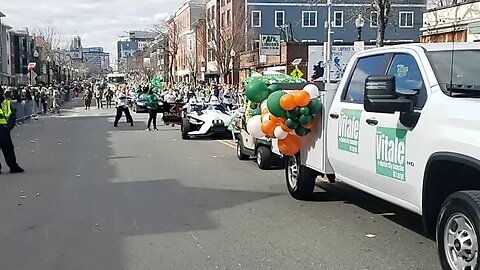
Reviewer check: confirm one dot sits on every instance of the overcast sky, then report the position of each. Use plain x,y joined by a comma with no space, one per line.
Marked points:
97,22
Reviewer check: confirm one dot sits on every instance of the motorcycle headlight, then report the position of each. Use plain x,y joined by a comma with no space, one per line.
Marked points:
140,103
217,121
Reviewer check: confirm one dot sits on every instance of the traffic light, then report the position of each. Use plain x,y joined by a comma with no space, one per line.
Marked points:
318,70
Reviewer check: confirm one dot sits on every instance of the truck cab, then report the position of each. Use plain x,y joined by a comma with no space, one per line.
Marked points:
403,124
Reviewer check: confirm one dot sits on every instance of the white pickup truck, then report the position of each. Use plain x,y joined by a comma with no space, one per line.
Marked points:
403,124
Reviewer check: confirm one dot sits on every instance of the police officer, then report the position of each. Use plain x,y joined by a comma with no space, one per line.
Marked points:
7,122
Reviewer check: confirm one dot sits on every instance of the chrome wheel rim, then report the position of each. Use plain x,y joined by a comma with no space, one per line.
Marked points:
460,242
292,173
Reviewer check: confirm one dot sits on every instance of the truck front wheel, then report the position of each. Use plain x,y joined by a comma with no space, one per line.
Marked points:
458,229
300,179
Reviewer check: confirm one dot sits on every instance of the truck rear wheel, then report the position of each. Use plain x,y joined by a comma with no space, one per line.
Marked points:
458,228
300,179
263,157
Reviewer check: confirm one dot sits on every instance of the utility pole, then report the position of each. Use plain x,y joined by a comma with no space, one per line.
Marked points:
328,49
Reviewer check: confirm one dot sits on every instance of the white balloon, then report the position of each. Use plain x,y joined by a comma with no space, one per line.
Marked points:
263,105
265,118
280,133
254,126
312,90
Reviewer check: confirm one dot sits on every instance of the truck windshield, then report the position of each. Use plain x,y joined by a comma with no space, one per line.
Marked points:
116,79
462,74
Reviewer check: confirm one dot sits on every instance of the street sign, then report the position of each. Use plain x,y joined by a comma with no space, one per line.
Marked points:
297,61
263,58
358,46
270,44
297,73
32,65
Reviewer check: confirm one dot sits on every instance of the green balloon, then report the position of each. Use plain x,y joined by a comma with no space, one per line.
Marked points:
292,124
294,114
253,105
315,106
304,111
257,91
305,120
273,88
257,111
301,131
273,104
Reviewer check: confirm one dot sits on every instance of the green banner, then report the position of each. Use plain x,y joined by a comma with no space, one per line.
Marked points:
349,130
391,145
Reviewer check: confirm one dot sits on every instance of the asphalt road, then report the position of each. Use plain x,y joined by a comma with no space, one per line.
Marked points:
97,197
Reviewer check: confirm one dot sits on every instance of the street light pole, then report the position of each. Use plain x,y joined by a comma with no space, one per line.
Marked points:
1,49
359,23
328,55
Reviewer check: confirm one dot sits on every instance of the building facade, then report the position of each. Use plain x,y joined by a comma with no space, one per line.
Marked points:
184,24
128,45
5,55
96,59
305,22
457,23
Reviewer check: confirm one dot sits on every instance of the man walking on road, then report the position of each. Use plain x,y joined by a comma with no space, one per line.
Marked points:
99,96
122,107
7,122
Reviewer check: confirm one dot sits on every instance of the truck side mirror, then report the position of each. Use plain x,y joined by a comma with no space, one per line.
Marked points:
381,96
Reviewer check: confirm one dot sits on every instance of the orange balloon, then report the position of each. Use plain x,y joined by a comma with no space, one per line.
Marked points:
290,145
287,102
301,97
284,127
275,119
268,128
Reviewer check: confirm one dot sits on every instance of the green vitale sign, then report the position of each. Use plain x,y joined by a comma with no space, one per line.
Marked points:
391,144
349,130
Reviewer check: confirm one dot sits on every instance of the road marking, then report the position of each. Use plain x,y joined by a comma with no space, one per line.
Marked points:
228,143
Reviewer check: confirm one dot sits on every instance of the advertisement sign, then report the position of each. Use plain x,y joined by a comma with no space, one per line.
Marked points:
269,44
340,57
172,113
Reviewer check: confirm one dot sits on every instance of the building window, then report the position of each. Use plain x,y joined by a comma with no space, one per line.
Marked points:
309,19
256,18
228,1
229,17
223,19
208,14
255,44
279,18
406,19
213,12
374,19
338,19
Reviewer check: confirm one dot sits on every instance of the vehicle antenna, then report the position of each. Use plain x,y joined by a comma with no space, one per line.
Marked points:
453,56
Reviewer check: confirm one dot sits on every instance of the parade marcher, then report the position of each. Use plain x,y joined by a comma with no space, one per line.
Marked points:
88,99
109,97
122,107
99,96
152,106
7,122
228,98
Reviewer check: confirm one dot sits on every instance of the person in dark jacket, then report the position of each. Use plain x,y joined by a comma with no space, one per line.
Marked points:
152,106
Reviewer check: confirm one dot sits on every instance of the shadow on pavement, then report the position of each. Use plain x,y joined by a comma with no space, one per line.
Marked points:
340,192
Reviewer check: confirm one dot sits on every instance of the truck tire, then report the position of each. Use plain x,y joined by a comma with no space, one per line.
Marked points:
263,157
240,154
458,227
300,179
185,128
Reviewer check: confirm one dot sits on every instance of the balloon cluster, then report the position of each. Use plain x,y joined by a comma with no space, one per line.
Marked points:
282,115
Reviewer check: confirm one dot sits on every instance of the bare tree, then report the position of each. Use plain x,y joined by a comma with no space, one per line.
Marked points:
443,3
168,40
192,64
226,39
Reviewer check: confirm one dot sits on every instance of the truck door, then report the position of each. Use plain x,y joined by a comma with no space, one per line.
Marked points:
388,138
350,150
